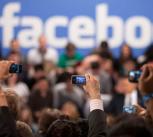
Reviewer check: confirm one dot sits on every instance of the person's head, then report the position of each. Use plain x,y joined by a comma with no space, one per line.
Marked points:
23,129
63,128
42,43
26,115
131,126
66,78
70,109
90,61
14,45
13,102
128,65
15,56
43,84
104,47
12,80
126,52
39,71
47,117
70,49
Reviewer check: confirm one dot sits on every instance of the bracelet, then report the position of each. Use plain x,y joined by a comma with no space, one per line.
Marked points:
147,97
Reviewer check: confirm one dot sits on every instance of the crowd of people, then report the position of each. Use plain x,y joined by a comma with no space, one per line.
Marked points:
42,101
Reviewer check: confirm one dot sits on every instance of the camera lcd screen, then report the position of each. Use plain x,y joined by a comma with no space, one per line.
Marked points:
78,80
134,75
15,68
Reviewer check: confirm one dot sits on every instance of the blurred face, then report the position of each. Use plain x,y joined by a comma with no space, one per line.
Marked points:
15,57
43,85
108,66
13,79
126,51
15,46
129,65
70,52
70,109
25,115
42,42
86,64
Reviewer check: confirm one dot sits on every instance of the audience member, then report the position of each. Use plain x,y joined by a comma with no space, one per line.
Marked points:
70,57
63,128
47,117
125,94
38,55
65,91
40,98
23,129
45,84
70,109
19,87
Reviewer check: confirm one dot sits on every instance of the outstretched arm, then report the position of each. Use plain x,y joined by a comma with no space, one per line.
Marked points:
97,117
7,123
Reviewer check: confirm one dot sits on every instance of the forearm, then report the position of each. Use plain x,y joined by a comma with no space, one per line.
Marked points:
97,119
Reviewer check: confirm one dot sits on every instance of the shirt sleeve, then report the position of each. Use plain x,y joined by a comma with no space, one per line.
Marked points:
96,104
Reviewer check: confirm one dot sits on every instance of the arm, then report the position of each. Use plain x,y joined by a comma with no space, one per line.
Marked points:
97,117
7,123
97,123
146,88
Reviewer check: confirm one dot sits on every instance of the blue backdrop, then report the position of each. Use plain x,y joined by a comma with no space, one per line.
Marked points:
118,21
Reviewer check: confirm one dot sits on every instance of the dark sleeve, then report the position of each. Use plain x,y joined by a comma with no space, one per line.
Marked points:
97,124
7,123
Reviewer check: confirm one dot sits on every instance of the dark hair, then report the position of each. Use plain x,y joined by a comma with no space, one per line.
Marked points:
132,126
104,45
47,117
70,46
23,129
84,127
63,128
64,77
121,53
13,101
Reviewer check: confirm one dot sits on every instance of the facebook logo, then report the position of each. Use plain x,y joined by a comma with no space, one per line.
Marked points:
83,30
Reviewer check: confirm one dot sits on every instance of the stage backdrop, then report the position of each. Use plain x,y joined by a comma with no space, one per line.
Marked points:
83,22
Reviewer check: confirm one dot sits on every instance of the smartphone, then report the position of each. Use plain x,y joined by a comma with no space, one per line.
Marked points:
78,80
134,75
15,68
129,109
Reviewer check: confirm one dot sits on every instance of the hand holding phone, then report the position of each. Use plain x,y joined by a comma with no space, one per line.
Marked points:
78,80
134,75
15,68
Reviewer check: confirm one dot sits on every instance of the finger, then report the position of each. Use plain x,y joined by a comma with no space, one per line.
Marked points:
145,73
92,78
87,76
150,76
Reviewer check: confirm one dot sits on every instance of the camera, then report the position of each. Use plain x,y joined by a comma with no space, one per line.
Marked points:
15,68
95,65
134,75
78,80
129,109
